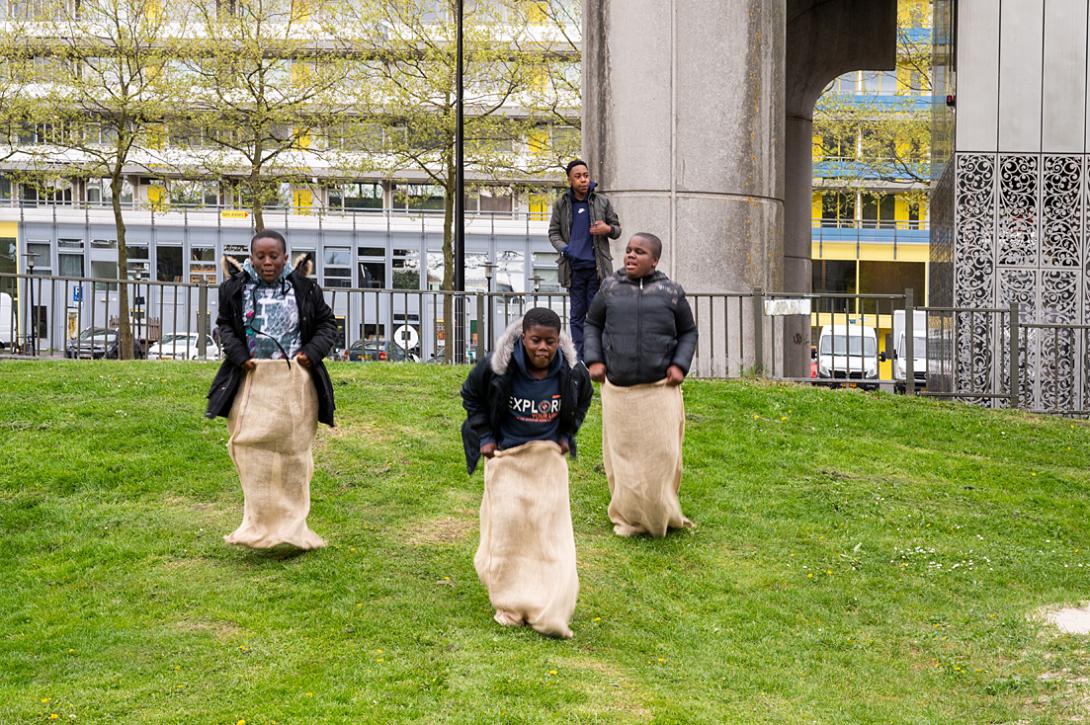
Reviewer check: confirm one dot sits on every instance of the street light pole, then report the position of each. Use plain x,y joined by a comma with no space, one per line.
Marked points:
459,193
489,266
30,293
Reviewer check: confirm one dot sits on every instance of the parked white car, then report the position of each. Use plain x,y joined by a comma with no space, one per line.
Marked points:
848,353
183,346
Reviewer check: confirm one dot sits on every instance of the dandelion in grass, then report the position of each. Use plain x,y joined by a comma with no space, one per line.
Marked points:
53,716
45,700
552,673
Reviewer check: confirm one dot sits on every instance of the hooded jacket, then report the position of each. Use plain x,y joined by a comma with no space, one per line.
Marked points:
317,331
488,387
600,209
639,328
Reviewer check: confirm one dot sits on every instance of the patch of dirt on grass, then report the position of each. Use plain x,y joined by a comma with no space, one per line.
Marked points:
219,630
444,529
611,689
353,429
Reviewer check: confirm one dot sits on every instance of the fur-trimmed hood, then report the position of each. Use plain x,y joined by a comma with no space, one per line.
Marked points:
304,262
505,348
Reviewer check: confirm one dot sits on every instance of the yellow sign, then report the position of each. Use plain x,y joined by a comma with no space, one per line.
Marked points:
234,214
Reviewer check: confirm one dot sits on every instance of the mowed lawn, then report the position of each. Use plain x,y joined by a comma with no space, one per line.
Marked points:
858,558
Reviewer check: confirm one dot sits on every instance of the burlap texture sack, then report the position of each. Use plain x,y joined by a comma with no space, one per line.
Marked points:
526,558
643,427
271,426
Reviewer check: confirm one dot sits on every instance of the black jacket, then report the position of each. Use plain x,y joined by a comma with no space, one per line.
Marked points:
487,388
560,232
317,331
639,328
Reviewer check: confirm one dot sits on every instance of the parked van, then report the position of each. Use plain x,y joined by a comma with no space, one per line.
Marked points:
919,349
848,353
7,321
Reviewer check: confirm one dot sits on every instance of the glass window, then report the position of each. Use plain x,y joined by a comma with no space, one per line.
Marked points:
104,270
168,264
495,199
71,265
362,195
43,262
420,196
69,243
338,256
837,209
104,243
406,269
373,275
137,261
5,188
202,265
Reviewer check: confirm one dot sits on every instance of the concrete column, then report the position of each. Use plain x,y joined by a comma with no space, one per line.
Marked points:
683,124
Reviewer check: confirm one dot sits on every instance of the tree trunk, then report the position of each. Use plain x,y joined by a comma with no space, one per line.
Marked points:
256,202
124,329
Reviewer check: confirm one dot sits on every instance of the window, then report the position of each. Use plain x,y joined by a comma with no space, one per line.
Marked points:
5,188
545,268
137,265
337,267
833,276
406,269
99,192
373,275
69,243
419,197
361,195
43,260
168,264
202,265
837,209
71,265
104,244
878,211
495,199
193,193
104,270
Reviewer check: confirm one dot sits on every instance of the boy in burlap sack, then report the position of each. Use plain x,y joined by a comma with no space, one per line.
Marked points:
640,341
524,404
275,328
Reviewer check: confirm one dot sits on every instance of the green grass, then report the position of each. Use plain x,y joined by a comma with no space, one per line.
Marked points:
858,558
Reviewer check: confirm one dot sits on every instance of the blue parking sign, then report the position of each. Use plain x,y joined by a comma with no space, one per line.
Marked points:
77,294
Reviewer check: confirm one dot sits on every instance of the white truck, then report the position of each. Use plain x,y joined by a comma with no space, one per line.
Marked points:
919,349
848,353
7,322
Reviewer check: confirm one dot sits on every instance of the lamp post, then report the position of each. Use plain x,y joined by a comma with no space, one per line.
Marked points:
458,337
30,294
489,267
537,280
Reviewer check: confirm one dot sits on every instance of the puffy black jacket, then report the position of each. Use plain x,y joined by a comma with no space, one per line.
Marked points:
317,331
639,328
487,388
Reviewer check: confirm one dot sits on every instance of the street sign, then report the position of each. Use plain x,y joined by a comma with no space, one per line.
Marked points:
791,306
406,337
77,294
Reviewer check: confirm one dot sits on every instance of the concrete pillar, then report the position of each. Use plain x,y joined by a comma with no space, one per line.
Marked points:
683,123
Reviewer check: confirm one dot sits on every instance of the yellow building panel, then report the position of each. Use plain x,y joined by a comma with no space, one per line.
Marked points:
815,206
9,229
870,251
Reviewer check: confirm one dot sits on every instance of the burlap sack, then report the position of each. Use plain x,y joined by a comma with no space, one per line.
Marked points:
643,427
271,426
526,558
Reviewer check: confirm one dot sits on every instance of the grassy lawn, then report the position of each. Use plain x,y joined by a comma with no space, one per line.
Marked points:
858,558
